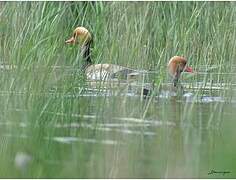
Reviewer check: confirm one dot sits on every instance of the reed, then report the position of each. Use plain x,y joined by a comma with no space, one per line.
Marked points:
42,85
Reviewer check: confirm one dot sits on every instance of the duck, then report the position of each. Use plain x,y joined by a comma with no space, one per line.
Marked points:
104,71
81,35
177,65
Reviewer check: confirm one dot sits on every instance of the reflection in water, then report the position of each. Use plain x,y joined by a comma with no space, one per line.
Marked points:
124,136
22,161
76,139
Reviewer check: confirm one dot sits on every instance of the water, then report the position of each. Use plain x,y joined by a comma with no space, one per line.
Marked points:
104,133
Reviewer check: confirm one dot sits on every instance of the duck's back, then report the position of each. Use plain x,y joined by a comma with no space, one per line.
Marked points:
106,71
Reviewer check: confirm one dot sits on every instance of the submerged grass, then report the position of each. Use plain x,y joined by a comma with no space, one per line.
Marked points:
43,85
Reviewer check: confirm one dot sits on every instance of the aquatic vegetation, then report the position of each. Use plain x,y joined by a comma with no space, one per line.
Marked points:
55,125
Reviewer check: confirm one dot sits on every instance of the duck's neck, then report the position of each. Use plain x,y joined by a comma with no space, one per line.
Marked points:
177,76
85,52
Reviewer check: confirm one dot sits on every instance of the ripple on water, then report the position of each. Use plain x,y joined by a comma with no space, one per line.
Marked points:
167,94
209,99
68,140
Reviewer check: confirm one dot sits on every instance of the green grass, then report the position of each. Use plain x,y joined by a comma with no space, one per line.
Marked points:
139,35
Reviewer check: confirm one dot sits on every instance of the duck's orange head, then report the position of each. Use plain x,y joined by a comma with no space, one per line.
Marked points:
80,33
177,65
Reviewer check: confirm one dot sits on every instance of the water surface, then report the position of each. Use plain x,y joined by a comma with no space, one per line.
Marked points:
166,135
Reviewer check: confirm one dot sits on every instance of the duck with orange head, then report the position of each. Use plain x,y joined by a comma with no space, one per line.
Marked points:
176,66
82,36
95,71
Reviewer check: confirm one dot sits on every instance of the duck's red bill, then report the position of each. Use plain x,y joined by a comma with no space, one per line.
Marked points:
189,69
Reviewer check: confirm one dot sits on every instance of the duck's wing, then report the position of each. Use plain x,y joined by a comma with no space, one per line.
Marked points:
110,71
123,73
102,71
97,71
128,73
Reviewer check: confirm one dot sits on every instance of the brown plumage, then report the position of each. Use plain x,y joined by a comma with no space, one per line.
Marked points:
176,66
95,71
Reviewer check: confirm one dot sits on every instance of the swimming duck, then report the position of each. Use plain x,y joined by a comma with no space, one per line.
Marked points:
97,71
176,66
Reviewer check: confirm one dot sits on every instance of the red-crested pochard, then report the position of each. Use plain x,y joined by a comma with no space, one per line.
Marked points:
176,66
96,71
